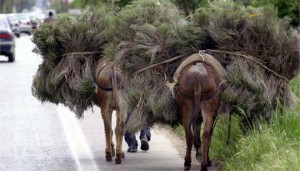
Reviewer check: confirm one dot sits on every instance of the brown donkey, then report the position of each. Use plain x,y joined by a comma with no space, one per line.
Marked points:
109,97
198,97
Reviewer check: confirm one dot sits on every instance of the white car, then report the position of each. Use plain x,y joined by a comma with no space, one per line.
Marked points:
25,25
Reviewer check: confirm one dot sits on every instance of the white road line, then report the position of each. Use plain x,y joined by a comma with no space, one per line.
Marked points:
76,140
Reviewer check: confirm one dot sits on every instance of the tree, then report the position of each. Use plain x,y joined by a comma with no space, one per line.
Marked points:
83,3
290,8
189,6
7,6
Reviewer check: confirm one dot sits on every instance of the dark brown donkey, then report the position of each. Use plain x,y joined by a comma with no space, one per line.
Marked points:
198,97
109,98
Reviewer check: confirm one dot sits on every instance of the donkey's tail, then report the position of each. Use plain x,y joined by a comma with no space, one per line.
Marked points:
195,118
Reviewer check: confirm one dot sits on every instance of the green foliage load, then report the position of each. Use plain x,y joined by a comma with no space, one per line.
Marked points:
70,49
267,58
259,51
144,33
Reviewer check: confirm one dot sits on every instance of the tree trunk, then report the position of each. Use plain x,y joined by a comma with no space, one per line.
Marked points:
186,7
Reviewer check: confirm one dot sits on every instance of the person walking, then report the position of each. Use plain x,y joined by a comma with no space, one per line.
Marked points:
50,18
145,137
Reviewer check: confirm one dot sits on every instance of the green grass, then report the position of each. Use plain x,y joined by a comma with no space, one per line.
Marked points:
270,146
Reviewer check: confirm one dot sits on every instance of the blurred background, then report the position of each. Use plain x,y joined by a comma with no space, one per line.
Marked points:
40,8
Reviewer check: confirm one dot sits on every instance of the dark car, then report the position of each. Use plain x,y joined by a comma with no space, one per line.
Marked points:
7,40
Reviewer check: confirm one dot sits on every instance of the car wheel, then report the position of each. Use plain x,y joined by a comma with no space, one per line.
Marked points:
11,57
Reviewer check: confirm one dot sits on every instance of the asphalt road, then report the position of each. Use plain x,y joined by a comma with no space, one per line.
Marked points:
39,136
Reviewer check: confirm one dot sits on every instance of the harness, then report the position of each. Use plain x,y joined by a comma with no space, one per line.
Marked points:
196,57
104,88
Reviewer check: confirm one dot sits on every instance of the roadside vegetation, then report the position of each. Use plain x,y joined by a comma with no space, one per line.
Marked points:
273,145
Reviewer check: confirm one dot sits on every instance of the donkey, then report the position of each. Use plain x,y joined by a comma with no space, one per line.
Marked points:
197,95
109,98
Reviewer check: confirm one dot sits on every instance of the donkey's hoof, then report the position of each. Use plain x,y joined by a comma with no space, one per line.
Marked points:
203,168
198,157
123,155
118,161
209,164
187,165
187,168
119,158
108,158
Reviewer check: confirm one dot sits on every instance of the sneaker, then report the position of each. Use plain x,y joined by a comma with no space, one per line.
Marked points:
132,149
145,144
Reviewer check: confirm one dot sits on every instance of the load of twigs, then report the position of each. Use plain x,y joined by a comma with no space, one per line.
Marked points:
70,48
148,39
144,33
259,51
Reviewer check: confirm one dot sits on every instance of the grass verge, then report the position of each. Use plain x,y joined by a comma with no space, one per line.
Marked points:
273,145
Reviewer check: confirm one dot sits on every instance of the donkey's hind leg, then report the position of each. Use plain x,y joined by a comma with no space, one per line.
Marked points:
113,152
120,132
211,109
186,121
197,143
106,116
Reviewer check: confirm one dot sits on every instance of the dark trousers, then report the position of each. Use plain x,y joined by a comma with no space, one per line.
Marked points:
131,139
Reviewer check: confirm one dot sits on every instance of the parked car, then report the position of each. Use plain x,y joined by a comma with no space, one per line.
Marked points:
24,23
7,40
14,24
34,21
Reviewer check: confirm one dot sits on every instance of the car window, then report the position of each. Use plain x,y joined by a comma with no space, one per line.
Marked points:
23,17
3,23
32,17
12,18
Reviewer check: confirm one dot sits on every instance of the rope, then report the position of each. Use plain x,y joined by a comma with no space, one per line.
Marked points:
154,65
201,55
260,62
81,53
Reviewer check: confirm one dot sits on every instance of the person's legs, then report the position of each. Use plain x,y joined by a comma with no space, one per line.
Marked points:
131,141
145,136
145,133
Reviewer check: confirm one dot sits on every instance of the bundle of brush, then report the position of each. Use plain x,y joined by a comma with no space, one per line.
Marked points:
145,33
260,52
70,48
